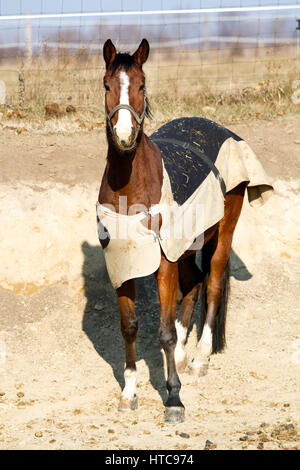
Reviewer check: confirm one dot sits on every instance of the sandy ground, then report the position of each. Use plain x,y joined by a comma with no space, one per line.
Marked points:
61,351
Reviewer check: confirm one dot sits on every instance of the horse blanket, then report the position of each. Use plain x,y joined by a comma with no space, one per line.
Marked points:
202,161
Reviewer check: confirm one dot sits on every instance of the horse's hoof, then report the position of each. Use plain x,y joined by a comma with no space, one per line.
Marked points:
174,414
128,405
199,370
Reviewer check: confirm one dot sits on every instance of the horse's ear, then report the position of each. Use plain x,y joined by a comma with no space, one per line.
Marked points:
109,52
141,54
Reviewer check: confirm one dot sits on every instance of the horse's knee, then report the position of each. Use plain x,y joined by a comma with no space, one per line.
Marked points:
129,331
167,336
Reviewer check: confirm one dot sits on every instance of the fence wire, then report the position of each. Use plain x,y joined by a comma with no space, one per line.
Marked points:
56,56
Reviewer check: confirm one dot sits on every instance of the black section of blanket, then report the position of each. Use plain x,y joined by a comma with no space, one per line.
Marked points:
186,168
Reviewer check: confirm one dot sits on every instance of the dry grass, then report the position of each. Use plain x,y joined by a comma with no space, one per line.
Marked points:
227,90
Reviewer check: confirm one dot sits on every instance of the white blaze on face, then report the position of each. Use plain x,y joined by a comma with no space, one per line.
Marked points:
124,125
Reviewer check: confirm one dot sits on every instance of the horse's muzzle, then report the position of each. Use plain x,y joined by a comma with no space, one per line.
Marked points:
123,143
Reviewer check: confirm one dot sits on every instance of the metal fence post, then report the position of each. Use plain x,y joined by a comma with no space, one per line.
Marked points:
298,45
21,89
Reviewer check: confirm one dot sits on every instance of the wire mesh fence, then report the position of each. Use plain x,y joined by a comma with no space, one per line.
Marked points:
52,51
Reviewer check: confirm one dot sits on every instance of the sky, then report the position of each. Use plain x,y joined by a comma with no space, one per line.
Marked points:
13,7
14,31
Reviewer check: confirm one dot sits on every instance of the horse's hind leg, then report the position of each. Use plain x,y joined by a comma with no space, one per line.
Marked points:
190,280
129,328
167,281
213,291
216,257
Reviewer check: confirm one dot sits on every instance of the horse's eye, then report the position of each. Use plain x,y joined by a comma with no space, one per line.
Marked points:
142,87
106,87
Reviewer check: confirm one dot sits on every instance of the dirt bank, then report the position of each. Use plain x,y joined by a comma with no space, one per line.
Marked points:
60,376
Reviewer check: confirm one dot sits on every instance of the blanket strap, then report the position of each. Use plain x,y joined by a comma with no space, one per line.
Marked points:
196,151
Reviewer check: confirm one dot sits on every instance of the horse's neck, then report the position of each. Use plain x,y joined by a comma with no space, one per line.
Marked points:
135,175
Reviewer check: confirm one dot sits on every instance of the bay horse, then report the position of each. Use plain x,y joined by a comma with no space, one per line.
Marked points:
134,170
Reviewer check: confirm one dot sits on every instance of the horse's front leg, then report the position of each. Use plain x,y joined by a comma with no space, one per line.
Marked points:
129,328
167,280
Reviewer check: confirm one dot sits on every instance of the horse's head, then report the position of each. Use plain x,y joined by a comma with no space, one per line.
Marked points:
125,98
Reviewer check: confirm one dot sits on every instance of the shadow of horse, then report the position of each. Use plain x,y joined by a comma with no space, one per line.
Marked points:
101,320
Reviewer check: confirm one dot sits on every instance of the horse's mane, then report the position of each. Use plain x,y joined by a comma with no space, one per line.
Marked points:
123,60
126,61
148,112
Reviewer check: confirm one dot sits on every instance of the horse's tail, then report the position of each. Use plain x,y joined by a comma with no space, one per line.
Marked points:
219,334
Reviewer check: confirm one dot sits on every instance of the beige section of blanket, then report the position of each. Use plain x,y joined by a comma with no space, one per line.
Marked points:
182,225
236,163
134,251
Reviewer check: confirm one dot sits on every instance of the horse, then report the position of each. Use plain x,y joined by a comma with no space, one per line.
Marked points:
134,173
